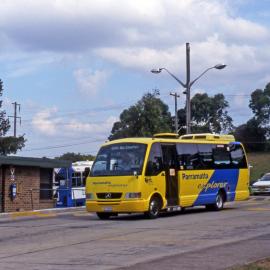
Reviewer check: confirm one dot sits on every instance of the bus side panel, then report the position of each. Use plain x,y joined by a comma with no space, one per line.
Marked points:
242,190
221,179
203,191
191,184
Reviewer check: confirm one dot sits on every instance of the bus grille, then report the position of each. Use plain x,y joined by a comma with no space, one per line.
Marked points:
109,195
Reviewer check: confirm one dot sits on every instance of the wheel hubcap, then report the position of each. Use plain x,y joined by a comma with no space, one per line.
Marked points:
154,207
219,201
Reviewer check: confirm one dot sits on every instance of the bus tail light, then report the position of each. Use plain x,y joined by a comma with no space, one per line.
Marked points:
133,195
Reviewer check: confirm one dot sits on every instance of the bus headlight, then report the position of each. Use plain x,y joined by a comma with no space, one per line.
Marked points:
133,195
89,196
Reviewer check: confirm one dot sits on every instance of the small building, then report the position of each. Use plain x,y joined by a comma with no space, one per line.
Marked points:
27,183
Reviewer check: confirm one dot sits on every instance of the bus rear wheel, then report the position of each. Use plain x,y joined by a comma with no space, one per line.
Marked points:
103,216
219,203
154,208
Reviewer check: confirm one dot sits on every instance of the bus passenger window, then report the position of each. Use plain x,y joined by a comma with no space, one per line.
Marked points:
74,182
155,163
206,155
79,182
188,156
238,156
76,179
222,159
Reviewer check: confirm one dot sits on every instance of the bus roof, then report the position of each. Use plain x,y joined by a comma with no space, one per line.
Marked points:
171,137
208,137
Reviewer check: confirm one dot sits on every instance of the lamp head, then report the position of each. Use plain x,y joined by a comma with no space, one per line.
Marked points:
156,71
220,66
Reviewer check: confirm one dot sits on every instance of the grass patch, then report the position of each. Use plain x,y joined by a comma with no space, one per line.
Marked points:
259,265
260,163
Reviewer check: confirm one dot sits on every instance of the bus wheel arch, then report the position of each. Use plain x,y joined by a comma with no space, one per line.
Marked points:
155,205
224,194
220,199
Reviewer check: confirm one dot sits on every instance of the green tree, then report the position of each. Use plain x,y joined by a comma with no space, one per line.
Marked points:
208,114
8,144
147,117
181,114
73,157
252,135
260,106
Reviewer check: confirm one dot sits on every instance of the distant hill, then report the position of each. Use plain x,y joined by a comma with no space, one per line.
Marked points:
260,163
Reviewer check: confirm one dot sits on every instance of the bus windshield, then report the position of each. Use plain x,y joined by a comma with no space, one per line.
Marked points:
119,159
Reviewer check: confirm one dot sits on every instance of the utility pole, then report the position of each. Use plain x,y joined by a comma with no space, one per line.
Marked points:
15,117
188,109
175,95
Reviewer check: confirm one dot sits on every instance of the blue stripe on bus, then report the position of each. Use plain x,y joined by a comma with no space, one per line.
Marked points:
219,177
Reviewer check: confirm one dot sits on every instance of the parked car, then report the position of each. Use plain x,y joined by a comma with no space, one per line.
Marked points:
262,185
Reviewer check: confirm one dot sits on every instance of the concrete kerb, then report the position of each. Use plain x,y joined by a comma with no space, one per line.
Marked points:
51,212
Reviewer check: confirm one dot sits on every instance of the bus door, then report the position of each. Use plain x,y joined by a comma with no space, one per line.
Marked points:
171,173
154,175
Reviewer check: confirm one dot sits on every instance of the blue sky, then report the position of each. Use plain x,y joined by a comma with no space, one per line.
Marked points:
75,65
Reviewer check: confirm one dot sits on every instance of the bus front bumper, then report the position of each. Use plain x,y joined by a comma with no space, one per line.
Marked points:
127,206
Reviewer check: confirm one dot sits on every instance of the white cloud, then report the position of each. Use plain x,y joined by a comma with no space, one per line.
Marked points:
133,34
263,81
242,60
89,82
29,64
18,63
46,122
70,25
57,36
7,103
138,58
96,128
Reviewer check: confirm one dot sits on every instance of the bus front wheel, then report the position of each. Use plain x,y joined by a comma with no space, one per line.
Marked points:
154,208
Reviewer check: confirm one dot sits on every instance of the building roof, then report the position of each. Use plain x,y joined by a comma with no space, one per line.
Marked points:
34,162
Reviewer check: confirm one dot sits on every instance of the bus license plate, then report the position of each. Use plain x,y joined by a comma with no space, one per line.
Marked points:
107,209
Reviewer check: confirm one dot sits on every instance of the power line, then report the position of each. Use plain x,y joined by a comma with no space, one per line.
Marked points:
92,153
62,146
72,123
67,138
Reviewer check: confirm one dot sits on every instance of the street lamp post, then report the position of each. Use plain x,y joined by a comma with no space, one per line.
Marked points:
188,83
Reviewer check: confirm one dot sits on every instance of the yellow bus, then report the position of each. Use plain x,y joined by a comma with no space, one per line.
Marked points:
167,173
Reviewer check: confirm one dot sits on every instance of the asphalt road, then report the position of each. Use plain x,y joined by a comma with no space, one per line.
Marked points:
196,239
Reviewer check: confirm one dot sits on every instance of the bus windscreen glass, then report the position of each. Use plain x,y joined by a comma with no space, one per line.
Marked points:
119,159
